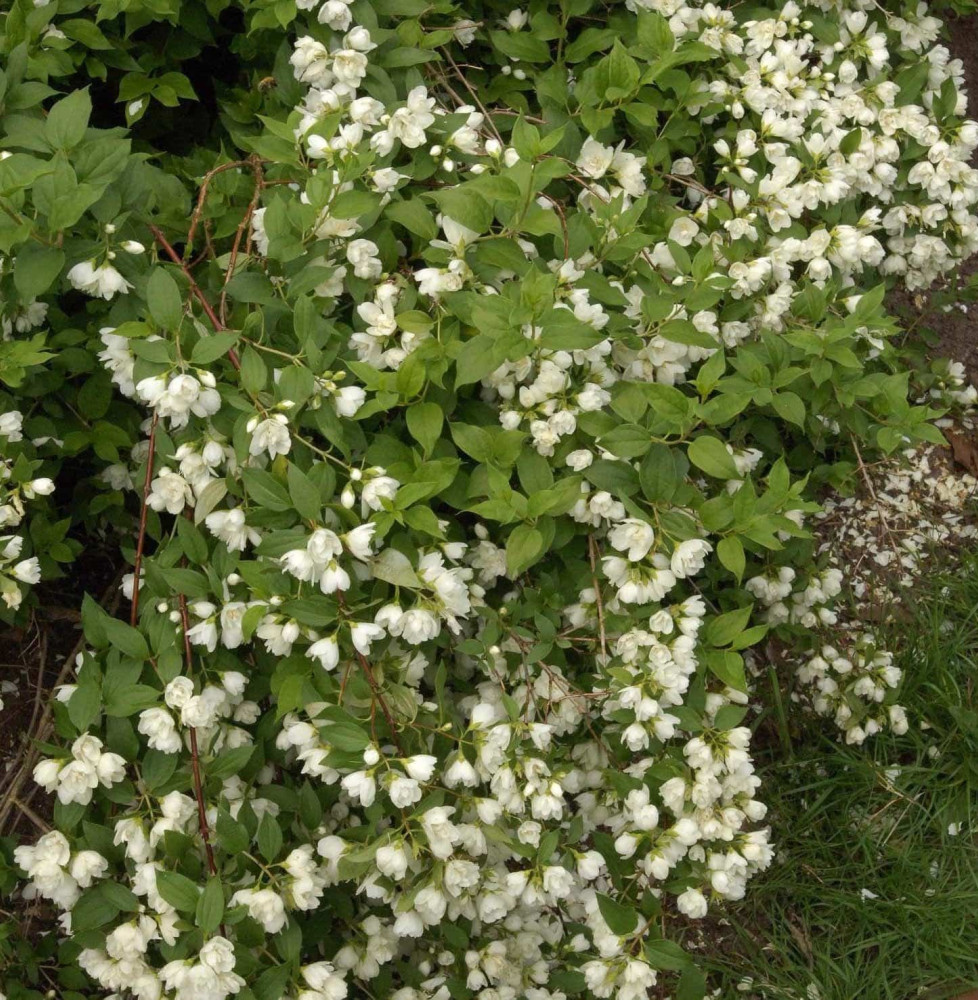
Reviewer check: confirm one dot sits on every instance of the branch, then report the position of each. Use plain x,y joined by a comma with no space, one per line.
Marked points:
255,163
205,831
141,540
202,196
592,548
195,288
374,689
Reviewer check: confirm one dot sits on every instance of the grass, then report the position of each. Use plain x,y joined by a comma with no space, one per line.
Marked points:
871,896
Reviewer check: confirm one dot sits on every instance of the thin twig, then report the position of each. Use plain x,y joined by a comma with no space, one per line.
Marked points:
592,547
144,508
42,662
474,95
195,288
374,689
205,831
255,163
563,222
43,826
202,197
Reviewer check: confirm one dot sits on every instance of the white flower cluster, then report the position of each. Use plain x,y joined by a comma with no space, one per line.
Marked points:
919,500
89,767
851,688
56,872
14,571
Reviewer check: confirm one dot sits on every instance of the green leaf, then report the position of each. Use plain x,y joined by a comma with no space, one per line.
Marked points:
304,494
230,761
523,547
346,736
465,206
264,489
730,551
414,217
711,455
157,768
231,835
212,347
424,422
663,954
127,639
310,808
254,373
723,629
270,985
36,268
270,837
163,300
620,919
94,909
521,45
660,473
67,120
177,890
84,705
210,906
692,985
728,667
789,407
627,441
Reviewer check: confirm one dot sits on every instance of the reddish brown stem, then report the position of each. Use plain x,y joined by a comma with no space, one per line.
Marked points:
202,196
378,698
195,288
592,548
255,163
141,540
205,831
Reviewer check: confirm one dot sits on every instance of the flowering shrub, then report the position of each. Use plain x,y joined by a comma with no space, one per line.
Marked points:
472,421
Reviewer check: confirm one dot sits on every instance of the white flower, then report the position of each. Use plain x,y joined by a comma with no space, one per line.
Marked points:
229,526
157,725
683,231
404,791
46,774
310,61
392,861
634,537
103,281
325,980
326,651
692,903
689,557
360,786
358,541
76,782
421,766
594,159
264,905
27,571
362,254
348,400
87,866
363,634
271,435
409,123
169,491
